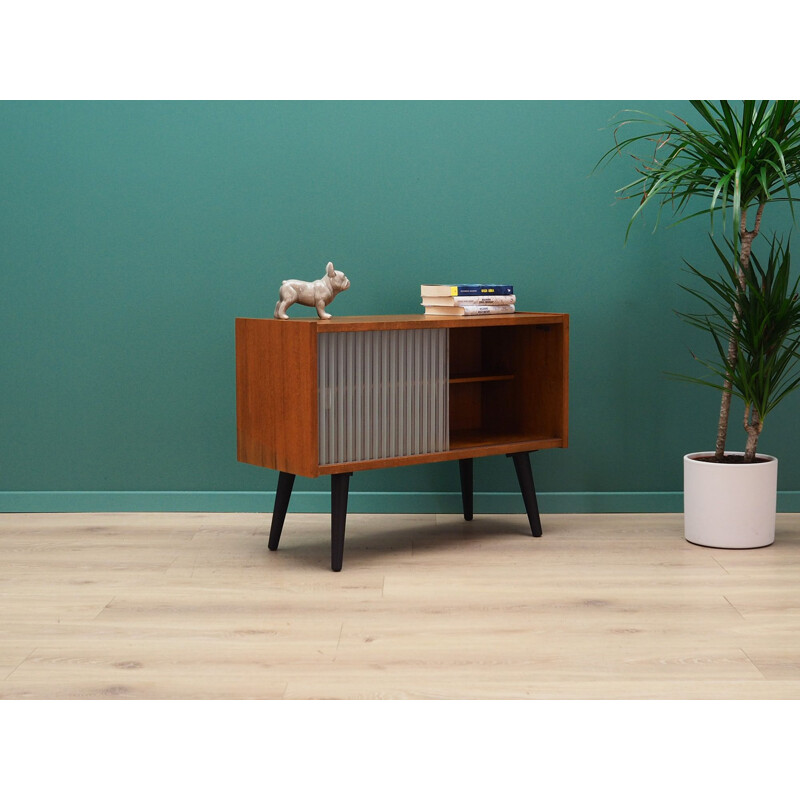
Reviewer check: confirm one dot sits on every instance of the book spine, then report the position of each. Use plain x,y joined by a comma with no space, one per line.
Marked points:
488,299
470,289
487,309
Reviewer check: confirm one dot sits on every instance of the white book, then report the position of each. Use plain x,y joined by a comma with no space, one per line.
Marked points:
469,311
481,300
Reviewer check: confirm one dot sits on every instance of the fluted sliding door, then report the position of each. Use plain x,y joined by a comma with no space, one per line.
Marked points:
382,394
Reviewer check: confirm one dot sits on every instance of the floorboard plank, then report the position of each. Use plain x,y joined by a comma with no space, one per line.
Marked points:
194,606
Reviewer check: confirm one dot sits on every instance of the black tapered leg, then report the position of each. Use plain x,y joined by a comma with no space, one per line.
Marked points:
282,495
522,464
340,485
465,468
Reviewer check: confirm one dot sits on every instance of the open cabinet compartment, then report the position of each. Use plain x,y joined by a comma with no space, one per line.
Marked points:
507,384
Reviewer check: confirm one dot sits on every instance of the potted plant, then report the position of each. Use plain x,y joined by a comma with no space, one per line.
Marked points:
735,508
747,157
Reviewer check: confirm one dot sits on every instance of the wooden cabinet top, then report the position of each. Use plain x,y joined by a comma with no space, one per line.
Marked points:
411,321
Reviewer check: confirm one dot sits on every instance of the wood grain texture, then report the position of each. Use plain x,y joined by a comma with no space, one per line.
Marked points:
408,321
276,395
195,606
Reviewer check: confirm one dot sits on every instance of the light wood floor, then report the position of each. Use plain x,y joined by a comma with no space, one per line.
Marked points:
427,606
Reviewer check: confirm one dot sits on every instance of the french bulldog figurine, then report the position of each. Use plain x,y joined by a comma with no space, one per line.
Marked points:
314,293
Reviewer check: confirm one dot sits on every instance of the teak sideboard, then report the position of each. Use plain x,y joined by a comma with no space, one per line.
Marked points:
333,397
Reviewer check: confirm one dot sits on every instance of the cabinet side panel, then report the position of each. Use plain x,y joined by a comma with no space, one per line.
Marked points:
541,367
276,395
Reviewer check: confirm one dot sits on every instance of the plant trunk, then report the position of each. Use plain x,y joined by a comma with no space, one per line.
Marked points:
753,425
746,238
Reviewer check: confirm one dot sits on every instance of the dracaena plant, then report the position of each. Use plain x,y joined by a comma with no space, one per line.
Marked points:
760,310
739,158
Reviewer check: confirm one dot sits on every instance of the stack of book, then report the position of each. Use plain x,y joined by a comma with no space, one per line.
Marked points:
468,299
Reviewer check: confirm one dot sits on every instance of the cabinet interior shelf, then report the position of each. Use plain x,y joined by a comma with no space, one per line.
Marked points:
477,378
467,439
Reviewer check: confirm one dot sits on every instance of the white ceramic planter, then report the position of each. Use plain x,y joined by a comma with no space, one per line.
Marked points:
730,505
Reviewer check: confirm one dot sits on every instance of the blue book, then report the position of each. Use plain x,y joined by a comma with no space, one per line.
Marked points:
465,289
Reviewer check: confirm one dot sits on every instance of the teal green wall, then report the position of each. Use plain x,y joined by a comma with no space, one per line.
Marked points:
132,235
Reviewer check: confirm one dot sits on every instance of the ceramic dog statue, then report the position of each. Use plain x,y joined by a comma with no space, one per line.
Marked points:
318,294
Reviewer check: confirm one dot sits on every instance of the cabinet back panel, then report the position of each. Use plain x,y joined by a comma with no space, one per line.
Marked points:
465,351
